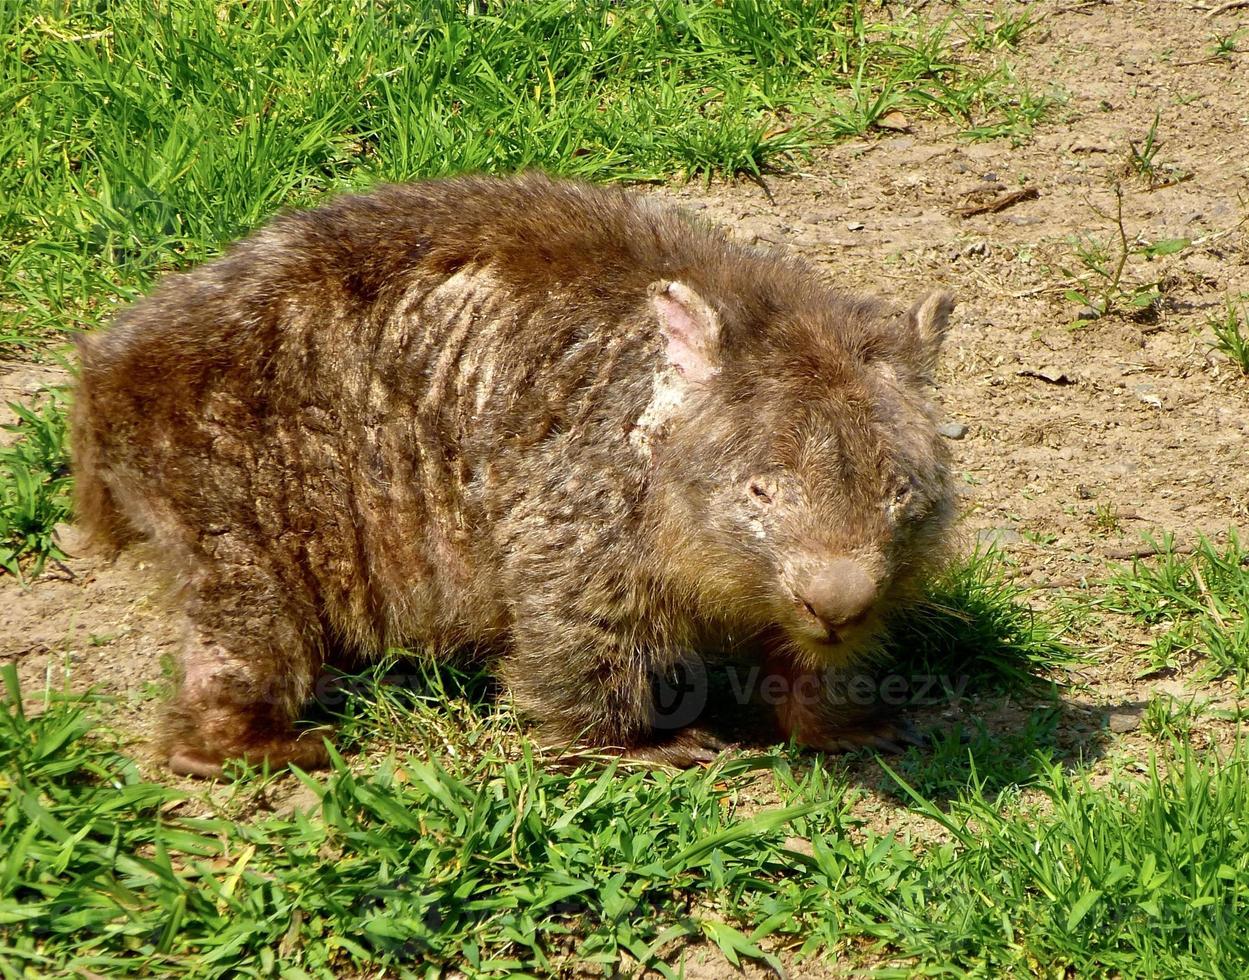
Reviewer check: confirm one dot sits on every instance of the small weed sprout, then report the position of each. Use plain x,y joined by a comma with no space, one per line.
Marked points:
1231,335
1166,717
1104,288
1225,45
1141,158
34,485
1142,161
1106,519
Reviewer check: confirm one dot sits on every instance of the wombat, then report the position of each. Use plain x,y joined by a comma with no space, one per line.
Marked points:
568,428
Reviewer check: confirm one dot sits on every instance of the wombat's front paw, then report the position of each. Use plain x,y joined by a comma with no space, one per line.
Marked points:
688,747
306,751
880,733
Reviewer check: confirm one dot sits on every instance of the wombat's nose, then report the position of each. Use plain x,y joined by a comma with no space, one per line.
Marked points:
839,594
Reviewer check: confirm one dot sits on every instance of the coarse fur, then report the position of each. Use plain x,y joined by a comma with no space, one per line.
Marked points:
565,427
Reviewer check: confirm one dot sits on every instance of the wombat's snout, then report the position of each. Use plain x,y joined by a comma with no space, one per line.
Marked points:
838,594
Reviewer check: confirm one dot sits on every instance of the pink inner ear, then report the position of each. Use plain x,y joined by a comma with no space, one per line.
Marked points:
690,328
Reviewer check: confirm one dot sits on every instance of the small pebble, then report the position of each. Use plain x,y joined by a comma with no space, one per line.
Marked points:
998,537
1146,395
855,225
952,430
1123,721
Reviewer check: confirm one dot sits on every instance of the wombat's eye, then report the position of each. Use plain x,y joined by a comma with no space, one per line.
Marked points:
760,493
902,495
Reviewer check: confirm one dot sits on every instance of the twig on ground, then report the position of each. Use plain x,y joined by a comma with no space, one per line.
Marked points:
1050,288
1000,203
1223,8
1147,551
1079,8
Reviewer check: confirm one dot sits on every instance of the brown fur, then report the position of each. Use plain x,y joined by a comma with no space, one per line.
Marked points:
564,426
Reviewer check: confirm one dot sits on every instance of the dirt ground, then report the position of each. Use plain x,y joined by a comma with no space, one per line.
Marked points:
1078,440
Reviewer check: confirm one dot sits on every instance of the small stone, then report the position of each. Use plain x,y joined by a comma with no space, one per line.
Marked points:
855,225
952,430
73,541
998,537
1123,721
895,121
1088,313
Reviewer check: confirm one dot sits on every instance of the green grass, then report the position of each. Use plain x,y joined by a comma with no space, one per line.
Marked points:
138,137
1196,605
495,863
34,485
1231,335
997,29
972,622
975,757
1135,878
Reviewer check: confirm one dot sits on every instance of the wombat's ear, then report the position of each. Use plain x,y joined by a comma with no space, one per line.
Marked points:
690,327
929,319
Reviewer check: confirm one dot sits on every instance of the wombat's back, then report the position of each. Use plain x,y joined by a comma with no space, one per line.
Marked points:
358,394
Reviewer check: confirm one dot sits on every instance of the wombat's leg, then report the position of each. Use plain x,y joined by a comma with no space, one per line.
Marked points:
249,661
818,709
589,684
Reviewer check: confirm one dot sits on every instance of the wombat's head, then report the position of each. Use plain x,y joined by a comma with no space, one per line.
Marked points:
801,479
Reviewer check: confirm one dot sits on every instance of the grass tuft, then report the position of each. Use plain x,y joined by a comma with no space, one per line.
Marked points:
1231,335
998,29
1136,878
34,485
1196,605
962,762
972,622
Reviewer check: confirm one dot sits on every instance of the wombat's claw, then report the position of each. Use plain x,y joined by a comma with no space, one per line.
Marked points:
687,748
908,736
308,752
189,762
892,737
